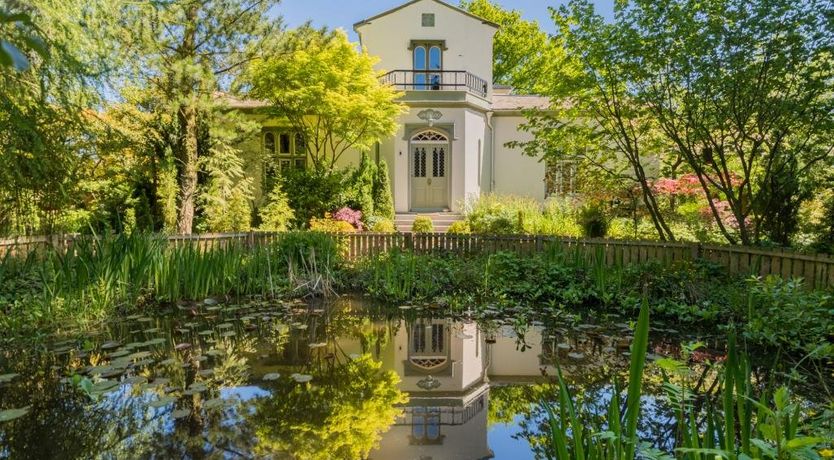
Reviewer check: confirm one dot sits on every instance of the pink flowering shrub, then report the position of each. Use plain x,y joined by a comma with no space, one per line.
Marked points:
351,216
687,185
725,213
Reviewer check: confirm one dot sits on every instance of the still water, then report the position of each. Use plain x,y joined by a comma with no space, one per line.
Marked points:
341,379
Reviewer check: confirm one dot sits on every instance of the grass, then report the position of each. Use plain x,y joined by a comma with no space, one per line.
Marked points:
99,277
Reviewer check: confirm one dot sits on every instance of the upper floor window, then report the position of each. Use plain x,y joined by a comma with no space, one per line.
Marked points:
428,19
428,58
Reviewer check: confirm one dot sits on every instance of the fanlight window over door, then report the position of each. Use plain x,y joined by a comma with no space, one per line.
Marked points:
430,136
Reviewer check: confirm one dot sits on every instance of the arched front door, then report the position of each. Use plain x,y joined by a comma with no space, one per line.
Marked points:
430,171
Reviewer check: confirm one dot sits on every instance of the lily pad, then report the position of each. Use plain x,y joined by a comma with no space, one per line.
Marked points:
301,378
11,414
225,326
317,345
111,345
272,377
163,401
206,372
215,403
104,386
5,378
180,413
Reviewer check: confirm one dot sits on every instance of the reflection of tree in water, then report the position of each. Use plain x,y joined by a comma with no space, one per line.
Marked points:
340,415
62,422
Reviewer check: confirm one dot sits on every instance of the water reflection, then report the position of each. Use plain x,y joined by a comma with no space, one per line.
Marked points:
309,382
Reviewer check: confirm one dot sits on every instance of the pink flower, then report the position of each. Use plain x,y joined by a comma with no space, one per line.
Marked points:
353,217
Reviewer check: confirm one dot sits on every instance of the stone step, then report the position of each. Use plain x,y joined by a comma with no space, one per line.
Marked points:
441,220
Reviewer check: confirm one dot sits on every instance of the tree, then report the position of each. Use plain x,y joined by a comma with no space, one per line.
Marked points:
744,93
523,57
363,185
186,52
383,200
330,94
52,61
277,215
596,117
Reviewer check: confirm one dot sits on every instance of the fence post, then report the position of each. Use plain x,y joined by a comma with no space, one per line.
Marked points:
409,241
697,251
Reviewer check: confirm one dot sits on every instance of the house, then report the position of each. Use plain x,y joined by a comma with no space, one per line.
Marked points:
451,143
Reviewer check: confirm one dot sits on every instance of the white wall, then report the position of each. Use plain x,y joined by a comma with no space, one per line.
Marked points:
468,40
516,173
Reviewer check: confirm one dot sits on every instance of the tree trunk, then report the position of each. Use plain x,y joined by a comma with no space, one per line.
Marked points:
188,127
188,174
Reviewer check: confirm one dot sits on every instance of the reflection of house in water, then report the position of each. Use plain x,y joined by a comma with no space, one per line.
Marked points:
442,365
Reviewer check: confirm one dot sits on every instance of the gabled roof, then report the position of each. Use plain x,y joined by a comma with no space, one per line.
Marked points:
407,4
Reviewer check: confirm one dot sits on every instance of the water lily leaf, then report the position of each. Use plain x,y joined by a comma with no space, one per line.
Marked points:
11,414
576,356
198,387
225,326
180,413
154,342
182,346
301,378
215,352
228,334
139,355
317,345
136,380
118,354
272,376
212,404
163,401
206,332
206,372
210,302
110,345
5,378
104,386
144,319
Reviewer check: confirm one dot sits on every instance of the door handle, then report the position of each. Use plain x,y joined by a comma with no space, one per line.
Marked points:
429,181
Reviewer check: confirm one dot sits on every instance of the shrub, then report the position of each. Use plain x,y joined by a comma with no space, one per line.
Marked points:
328,224
422,224
381,225
312,193
502,214
350,216
460,227
277,214
362,185
594,223
383,200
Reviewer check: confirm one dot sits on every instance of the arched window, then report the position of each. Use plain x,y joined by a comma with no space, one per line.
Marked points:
419,65
269,143
430,136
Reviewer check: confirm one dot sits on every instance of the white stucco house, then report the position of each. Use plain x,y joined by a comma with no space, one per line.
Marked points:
451,142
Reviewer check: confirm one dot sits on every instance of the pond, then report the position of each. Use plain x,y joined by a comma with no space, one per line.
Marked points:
339,379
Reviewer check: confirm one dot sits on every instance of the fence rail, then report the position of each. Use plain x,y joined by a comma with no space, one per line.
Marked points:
816,270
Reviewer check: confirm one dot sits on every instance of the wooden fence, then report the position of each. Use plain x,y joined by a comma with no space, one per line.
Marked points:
816,270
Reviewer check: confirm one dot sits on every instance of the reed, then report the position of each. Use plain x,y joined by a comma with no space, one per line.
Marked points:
735,425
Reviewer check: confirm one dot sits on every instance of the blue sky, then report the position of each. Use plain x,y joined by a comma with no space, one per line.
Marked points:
344,13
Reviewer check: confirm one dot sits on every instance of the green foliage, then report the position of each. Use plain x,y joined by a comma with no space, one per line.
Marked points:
276,215
460,227
313,194
99,277
751,427
226,198
523,56
422,224
593,221
363,185
506,214
329,92
328,224
383,199
381,225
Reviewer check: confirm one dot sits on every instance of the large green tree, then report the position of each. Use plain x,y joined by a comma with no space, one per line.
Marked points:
329,92
523,56
743,91
187,51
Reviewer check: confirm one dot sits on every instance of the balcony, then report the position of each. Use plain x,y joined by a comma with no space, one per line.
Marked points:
436,80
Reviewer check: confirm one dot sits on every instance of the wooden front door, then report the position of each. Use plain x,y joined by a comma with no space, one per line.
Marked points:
430,176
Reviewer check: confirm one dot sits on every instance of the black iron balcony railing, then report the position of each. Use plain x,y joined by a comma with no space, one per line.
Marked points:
436,80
